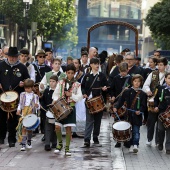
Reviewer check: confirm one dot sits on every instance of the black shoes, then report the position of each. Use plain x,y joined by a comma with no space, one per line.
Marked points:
168,152
1,141
126,144
47,148
86,144
160,147
53,146
74,135
43,139
95,140
11,144
118,145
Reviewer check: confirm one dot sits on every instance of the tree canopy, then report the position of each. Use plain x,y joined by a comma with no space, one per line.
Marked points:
55,18
158,21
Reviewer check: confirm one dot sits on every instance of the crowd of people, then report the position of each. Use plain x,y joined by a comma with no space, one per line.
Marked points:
43,85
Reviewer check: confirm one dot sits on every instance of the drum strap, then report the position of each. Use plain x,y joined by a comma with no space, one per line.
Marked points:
134,100
127,79
93,82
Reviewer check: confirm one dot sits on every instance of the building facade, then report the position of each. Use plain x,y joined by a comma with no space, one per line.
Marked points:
112,38
148,45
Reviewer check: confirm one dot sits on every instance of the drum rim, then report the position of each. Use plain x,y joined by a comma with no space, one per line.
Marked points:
94,98
37,123
7,92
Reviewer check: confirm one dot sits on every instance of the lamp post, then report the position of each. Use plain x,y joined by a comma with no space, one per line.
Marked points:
140,41
27,7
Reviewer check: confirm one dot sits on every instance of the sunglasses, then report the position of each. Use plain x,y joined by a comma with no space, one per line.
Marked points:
156,55
41,56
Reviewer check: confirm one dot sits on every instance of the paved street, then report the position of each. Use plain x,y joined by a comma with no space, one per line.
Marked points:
106,157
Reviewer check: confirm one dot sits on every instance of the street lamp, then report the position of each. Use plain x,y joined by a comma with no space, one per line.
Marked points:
140,42
27,7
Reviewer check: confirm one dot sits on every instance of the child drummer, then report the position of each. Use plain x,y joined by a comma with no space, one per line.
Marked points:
161,103
136,100
94,83
71,90
28,104
50,135
120,83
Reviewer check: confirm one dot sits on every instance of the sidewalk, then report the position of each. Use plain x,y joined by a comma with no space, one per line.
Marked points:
82,158
95,158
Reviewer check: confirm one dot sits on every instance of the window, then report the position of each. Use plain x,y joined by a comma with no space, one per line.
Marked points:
124,11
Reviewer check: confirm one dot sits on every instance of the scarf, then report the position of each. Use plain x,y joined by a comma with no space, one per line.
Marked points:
12,65
70,82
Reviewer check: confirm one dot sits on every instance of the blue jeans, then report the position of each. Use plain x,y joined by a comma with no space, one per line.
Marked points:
135,135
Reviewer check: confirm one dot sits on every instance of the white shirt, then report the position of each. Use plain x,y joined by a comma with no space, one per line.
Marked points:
29,97
146,86
31,71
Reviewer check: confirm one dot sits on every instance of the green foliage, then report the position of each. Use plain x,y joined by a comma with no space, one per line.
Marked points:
158,21
52,16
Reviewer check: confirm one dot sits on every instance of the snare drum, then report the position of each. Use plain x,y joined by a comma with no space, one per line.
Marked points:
165,119
121,131
151,104
50,117
31,122
61,109
9,101
95,104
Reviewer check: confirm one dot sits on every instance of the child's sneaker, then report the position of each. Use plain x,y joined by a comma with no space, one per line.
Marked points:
135,148
131,149
67,152
29,146
23,147
58,148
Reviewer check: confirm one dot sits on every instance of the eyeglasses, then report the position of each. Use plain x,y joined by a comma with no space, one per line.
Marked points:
41,56
130,59
157,55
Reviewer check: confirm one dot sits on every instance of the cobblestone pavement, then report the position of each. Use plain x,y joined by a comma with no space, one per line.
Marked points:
95,158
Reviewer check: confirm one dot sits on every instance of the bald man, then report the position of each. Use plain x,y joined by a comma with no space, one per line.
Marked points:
92,52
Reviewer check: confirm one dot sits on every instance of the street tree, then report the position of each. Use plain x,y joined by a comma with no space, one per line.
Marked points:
158,21
52,16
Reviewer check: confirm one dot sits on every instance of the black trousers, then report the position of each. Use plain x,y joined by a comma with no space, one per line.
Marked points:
152,119
8,124
43,118
50,134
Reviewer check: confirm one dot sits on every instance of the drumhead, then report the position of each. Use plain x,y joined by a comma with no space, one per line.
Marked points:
9,96
49,115
122,125
29,120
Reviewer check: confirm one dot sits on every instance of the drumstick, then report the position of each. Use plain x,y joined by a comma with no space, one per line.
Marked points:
133,110
4,91
117,115
49,105
43,108
18,85
121,92
100,87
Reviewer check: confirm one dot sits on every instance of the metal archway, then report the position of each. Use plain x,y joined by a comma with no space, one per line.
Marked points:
131,27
